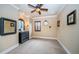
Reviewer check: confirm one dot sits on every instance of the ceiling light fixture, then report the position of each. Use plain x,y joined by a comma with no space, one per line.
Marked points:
45,22
37,9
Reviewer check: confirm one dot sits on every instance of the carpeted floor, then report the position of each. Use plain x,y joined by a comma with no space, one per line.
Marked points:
39,46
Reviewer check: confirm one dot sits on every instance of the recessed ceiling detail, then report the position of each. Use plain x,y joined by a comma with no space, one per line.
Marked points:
53,9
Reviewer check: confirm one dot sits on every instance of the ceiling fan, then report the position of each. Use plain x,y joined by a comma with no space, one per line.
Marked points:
38,8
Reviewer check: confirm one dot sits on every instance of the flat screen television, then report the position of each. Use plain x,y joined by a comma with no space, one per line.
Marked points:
7,26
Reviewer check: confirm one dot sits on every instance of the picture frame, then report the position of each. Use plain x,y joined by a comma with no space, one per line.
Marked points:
58,23
7,26
71,18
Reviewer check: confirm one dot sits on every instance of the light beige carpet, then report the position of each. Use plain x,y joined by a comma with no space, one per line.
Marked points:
39,46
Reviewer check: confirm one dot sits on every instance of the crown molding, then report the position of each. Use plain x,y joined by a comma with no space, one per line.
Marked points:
62,8
14,6
45,16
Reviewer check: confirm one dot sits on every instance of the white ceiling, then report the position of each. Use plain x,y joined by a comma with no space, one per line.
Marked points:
53,9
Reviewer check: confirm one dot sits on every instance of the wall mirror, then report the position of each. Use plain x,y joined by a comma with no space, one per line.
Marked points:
7,26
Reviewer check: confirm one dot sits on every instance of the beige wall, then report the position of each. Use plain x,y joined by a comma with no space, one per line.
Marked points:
27,25
7,41
45,30
69,35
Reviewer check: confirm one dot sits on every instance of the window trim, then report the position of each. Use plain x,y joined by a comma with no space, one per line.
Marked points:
37,30
23,22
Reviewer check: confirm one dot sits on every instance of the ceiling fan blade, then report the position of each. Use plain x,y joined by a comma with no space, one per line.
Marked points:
31,5
39,13
44,9
40,5
33,10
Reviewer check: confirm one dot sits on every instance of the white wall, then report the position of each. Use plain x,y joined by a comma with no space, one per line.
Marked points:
69,35
7,41
46,32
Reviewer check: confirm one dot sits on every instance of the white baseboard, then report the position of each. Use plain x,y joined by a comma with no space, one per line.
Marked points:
64,47
44,37
9,49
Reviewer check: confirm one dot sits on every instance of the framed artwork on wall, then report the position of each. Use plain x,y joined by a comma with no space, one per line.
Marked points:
58,23
7,26
71,18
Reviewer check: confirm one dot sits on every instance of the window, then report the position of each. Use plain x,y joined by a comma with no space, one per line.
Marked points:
37,25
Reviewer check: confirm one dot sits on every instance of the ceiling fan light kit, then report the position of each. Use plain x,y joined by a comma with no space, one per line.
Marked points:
38,8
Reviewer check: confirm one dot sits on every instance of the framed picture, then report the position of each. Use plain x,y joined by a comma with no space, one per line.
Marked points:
58,23
7,26
71,18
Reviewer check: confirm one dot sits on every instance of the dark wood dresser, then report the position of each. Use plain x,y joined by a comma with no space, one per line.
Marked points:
23,36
